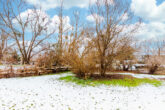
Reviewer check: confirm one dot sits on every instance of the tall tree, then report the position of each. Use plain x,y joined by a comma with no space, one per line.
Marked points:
26,25
114,28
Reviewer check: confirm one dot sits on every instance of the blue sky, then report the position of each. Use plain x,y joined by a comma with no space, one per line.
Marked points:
151,11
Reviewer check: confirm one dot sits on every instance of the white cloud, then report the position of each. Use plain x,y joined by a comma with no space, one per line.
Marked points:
50,23
153,30
94,17
56,22
148,10
50,4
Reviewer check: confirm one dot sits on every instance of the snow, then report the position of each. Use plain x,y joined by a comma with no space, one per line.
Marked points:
144,75
48,93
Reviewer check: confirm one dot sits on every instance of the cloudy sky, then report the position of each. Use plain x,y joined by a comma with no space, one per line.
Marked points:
151,11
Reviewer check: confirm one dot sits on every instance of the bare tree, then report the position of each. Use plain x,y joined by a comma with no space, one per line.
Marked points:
61,27
114,30
62,34
28,31
3,44
76,33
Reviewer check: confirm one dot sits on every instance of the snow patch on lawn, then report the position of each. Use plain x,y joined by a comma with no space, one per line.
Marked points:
144,75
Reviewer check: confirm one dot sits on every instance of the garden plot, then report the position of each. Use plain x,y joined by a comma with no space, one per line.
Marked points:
49,93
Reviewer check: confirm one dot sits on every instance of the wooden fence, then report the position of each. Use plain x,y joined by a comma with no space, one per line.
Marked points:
24,71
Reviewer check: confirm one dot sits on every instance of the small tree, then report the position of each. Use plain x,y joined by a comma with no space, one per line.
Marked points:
80,56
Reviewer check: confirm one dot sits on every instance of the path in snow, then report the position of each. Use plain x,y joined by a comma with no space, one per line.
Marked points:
48,93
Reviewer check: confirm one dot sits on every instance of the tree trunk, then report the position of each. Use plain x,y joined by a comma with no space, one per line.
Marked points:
25,61
102,68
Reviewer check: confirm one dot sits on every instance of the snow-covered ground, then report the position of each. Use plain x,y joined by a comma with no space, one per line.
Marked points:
48,93
144,76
